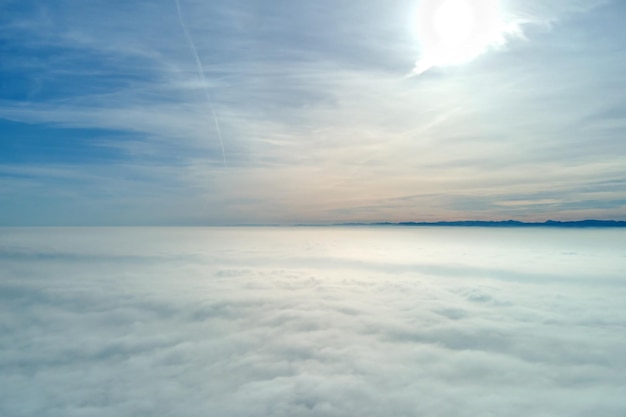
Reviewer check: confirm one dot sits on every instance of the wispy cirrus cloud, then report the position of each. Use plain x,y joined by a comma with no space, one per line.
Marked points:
320,117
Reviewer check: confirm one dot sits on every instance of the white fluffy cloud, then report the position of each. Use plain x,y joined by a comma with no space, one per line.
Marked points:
311,322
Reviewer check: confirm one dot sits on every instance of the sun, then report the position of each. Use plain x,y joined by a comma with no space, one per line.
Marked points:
453,23
451,32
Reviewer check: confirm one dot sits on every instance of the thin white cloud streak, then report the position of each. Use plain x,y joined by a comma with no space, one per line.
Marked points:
311,322
200,67
548,13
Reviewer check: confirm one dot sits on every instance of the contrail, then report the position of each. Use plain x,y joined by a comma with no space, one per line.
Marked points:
200,69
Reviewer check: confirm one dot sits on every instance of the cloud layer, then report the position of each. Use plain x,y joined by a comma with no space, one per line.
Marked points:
312,322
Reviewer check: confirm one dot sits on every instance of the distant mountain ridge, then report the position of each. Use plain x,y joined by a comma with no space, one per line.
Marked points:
502,223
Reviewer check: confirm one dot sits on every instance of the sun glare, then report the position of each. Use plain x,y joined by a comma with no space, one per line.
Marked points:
453,22
451,32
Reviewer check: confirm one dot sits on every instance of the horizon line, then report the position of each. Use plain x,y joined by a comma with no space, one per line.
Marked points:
584,223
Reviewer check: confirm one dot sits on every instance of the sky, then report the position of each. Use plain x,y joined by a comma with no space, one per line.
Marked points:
219,112
288,322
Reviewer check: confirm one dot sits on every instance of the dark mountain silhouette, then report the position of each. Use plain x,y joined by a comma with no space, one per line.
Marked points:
503,223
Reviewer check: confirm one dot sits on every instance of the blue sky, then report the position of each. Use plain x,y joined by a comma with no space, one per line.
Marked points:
106,117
